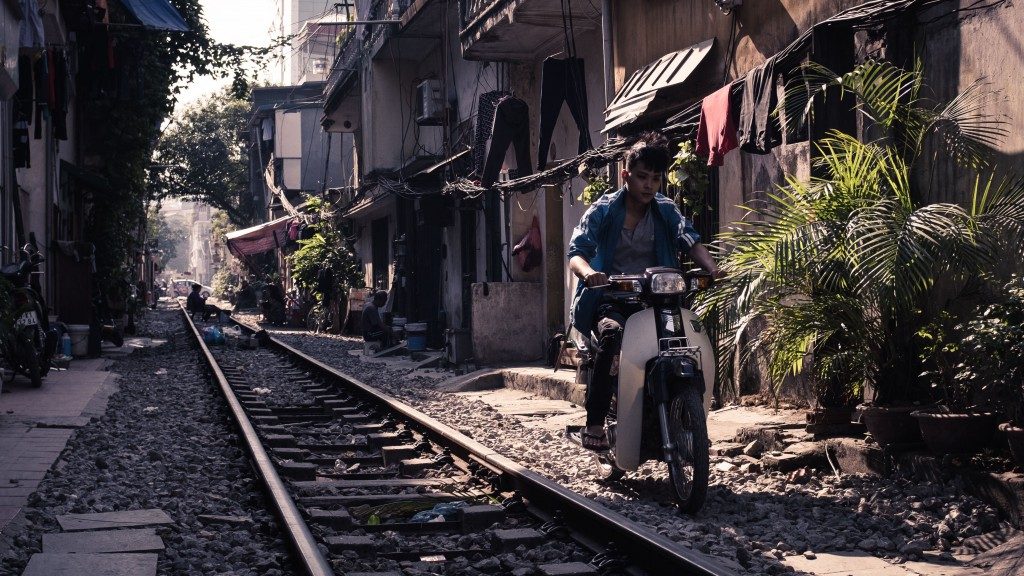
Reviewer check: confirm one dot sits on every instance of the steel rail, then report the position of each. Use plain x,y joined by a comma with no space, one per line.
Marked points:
642,546
309,556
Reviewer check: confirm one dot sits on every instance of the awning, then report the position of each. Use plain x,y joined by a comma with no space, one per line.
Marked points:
644,85
156,14
260,238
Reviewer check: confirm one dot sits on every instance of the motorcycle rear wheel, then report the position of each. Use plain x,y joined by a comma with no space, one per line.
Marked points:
688,470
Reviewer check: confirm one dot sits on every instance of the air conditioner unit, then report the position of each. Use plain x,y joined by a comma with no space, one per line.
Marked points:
429,103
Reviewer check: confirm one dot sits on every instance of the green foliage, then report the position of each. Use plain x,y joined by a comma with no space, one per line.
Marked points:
122,131
202,159
688,175
841,268
984,354
221,281
597,186
327,247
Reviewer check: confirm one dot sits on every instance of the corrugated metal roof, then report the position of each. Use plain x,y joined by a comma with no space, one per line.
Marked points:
643,85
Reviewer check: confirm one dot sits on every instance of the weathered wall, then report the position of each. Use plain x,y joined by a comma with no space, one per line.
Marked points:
507,322
978,46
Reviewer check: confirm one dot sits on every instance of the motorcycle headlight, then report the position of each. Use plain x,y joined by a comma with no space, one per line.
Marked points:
668,283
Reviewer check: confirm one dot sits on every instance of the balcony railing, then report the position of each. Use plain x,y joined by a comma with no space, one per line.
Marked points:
471,10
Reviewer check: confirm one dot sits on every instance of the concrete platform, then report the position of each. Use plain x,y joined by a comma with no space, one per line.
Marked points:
48,564
108,520
36,424
863,564
103,541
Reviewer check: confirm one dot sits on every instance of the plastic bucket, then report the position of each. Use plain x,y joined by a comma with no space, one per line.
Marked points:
79,334
416,340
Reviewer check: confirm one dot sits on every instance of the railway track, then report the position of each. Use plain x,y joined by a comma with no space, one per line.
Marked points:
363,483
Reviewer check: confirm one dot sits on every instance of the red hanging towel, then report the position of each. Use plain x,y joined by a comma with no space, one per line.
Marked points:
716,134
529,252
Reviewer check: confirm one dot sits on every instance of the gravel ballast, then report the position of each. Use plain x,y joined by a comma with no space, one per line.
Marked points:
752,519
167,441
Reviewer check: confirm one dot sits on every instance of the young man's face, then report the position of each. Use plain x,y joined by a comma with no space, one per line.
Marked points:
642,183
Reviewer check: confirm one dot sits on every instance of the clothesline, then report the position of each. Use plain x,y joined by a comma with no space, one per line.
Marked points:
683,125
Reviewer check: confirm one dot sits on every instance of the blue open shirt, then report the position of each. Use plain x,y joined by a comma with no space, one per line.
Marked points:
597,235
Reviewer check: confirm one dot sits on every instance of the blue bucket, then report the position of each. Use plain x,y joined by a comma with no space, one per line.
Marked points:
416,337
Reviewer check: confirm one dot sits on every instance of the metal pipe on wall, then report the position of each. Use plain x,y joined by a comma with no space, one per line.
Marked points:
609,73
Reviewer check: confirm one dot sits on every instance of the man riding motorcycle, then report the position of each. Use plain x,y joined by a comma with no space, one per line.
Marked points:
625,232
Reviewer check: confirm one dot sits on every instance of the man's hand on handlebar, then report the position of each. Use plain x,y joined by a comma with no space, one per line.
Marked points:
595,279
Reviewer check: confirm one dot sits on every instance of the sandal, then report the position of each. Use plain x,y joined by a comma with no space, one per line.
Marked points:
595,442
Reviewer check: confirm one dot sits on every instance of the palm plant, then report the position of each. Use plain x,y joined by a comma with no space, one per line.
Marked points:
839,268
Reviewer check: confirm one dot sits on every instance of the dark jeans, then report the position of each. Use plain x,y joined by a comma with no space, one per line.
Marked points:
610,320
562,81
511,126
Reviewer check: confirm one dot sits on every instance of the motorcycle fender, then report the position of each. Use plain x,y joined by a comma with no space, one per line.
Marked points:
639,344
697,335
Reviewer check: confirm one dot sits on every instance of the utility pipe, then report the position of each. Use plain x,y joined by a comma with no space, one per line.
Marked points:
609,74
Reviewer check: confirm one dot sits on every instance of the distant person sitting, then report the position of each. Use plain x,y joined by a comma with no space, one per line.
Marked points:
245,297
374,329
196,302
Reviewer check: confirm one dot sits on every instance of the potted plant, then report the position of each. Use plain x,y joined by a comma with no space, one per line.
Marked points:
841,268
992,347
956,423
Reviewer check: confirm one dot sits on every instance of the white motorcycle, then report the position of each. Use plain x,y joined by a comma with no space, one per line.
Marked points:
666,372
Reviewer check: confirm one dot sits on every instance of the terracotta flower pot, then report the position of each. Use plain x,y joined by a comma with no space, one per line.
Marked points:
891,424
956,433
1015,437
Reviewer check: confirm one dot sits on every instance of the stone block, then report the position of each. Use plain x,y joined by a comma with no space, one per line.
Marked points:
298,470
333,518
567,569
338,544
291,453
280,440
226,520
728,449
507,323
107,520
477,518
856,457
103,541
50,564
393,455
506,540
383,439
414,466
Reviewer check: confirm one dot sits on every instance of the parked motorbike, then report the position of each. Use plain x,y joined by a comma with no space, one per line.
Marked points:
26,341
666,373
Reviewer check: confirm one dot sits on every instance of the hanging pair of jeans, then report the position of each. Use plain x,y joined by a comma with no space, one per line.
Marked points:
486,105
562,81
511,126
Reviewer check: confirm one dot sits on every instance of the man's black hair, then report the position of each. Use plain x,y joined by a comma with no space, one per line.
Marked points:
652,150
196,286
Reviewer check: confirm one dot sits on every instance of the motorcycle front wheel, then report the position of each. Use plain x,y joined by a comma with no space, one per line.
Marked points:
688,470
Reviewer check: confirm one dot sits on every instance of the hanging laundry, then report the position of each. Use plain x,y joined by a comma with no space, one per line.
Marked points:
486,105
41,75
716,133
20,148
31,33
511,126
759,129
562,80
60,79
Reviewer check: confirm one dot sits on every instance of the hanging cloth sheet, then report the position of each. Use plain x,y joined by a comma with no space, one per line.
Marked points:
759,129
261,238
562,80
156,14
716,132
